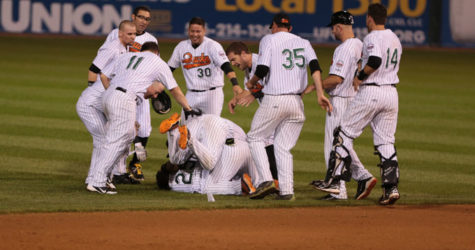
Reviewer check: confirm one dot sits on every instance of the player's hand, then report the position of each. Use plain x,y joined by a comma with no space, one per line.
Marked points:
356,83
237,90
245,99
325,103
140,152
232,104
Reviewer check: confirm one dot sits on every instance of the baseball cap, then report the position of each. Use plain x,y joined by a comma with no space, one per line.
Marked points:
342,17
281,19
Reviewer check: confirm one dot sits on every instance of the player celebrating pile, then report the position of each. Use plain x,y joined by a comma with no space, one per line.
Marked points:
376,103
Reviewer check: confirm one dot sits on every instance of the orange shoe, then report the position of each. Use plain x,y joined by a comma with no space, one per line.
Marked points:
169,123
246,183
183,141
276,184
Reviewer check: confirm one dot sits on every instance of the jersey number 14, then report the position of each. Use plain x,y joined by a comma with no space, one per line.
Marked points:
394,59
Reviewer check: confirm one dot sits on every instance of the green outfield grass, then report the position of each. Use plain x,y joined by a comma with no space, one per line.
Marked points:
45,149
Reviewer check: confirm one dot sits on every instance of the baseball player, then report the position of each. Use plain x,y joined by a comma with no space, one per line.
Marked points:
282,62
239,55
135,77
221,152
376,103
339,86
141,17
89,104
203,62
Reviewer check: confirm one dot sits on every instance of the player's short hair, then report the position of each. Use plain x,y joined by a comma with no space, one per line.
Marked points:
237,48
123,23
150,46
197,20
139,8
378,12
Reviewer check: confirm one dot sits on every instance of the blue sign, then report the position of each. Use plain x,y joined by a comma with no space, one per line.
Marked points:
226,19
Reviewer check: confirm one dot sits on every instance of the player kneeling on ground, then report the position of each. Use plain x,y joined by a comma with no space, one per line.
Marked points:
212,154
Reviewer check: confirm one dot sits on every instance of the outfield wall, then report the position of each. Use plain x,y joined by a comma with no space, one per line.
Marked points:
237,19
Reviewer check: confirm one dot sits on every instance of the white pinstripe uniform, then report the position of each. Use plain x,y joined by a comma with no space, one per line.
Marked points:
281,111
143,109
376,105
133,73
248,73
201,67
89,104
344,64
222,165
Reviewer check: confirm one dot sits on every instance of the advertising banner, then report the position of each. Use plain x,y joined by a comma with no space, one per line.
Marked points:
457,23
226,19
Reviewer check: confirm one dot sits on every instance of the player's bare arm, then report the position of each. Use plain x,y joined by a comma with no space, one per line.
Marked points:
372,65
91,76
105,81
332,81
231,75
309,89
92,73
252,83
180,98
322,100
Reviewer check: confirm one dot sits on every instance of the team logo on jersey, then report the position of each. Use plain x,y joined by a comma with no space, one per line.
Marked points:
370,46
339,63
135,47
190,62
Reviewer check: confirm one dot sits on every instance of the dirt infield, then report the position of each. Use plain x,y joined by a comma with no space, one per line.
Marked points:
398,227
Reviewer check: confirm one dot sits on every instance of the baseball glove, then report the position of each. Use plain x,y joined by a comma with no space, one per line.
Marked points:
162,104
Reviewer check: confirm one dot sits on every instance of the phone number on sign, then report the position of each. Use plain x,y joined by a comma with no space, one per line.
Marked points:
236,30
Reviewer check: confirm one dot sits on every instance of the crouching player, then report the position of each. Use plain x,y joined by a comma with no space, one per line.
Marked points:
213,156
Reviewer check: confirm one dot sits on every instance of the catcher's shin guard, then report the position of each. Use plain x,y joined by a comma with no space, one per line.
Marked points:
272,163
337,161
389,169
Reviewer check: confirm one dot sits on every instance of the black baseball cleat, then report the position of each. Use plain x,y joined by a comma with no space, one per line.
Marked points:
124,179
364,188
332,188
101,190
266,188
390,196
330,197
135,170
285,197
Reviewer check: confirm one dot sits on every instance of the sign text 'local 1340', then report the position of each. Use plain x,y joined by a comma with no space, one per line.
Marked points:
226,19
310,6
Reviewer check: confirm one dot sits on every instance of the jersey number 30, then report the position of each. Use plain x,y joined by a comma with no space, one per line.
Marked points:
293,57
204,72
